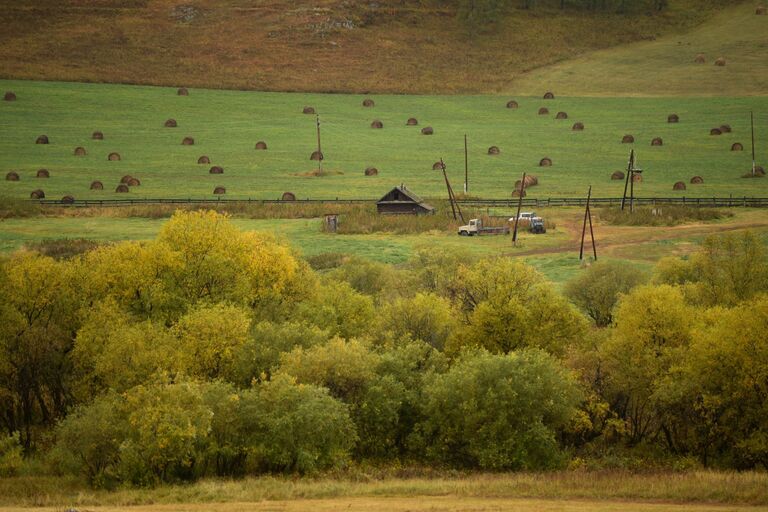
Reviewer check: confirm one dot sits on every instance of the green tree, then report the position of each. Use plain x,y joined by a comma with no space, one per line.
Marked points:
339,309
426,317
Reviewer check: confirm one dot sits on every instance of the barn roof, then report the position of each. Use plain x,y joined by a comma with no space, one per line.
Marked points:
411,198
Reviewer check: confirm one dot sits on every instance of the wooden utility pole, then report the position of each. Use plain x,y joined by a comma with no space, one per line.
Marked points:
519,205
466,165
587,217
320,159
752,123
628,177
451,196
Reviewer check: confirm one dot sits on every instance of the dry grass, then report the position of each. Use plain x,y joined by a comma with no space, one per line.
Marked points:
666,215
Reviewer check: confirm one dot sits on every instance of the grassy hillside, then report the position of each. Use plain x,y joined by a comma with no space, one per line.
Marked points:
329,46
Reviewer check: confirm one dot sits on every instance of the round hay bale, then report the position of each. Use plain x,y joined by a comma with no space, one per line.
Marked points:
37,194
697,180
122,188
133,182
561,115
618,175
637,178
700,59
203,160
427,130
182,91
673,118
219,191
97,135
543,111
549,96
97,185
715,131
368,102
512,104
377,124
720,61
288,196
43,139
9,96
517,192
412,121
317,155
725,128
43,173
530,181
545,162
170,123
759,171
216,170
494,150
79,151
371,171
261,145
578,127
113,157
188,141
658,141
308,110
737,146
437,166
125,179
628,139
67,199
761,10
12,176
679,185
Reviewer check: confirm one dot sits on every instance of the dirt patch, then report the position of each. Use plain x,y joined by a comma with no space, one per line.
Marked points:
43,173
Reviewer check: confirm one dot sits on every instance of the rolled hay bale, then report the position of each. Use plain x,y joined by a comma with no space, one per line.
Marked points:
368,102
697,180
12,176
759,170
543,111
761,10
317,155
412,121
437,166
113,157
188,141
80,151
203,160
725,128
288,196
97,135
9,96
371,171
545,162
182,91
512,104
133,182
494,150
216,170
637,178
549,95
219,191
737,146
261,145
578,127
377,124
170,123
617,175
700,59
628,139
673,118
427,130
97,185
43,173
308,110
715,131
43,139
125,179
517,192
530,181
658,141
122,188
561,115
720,61
679,185
68,199
37,194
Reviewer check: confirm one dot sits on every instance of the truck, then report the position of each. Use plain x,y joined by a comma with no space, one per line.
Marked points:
475,227
537,226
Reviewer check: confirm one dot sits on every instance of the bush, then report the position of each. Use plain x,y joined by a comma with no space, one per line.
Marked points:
10,455
663,215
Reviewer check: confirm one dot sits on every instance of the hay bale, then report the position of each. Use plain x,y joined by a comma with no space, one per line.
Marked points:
67,199
182,91
725,128
700,59
715,131
761,10
530,181
549,96
97,185
79,151
43,173
737,146
494,150
37,194
673,118
261,145
125,179
317,155
113,157
545,162
543,111
122,188
308,110
628,139
377,124
427,130
679,185
133,182
371,171
697,180
759,170
219,191
561,115
203,160
637,178
216,170
512,104
517,192
12,176
618,175
368,102
578,127
170,123
9,96
437,166
720,61
288,196
412,121
43,139
97,135
188,141
658,141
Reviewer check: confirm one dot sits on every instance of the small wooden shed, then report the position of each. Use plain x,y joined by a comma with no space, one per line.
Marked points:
401,201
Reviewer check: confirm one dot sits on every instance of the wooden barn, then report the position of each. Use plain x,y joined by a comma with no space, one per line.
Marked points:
401,201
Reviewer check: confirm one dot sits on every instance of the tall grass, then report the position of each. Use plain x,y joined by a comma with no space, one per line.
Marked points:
667,215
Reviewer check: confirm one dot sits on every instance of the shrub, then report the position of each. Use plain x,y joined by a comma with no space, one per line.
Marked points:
10,454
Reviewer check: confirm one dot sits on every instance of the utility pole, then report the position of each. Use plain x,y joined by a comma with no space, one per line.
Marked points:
628,177
451,197
320,160
519,205
752,123
466,165
587,216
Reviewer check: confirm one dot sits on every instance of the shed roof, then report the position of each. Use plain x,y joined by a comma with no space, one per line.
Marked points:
411,198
